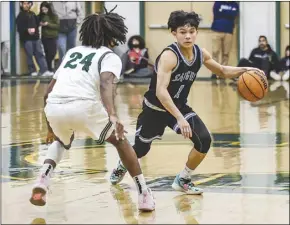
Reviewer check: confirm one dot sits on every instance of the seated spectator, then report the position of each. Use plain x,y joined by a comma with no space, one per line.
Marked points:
284,65
50,25
27,26
135,60
262,57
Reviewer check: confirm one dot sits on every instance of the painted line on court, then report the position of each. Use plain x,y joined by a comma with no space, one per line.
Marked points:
245,187
201,181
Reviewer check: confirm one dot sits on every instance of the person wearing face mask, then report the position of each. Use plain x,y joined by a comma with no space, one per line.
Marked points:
263,57
49,32
135,61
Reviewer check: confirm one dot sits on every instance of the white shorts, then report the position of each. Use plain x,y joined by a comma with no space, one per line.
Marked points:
84,116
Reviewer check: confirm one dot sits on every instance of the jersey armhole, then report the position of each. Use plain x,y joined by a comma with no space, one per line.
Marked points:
175,68
201,56
101,59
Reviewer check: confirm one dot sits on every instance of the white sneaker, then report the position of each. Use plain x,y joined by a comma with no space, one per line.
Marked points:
146,201
285,76
185,185
34,74
47,74
275,76
39,191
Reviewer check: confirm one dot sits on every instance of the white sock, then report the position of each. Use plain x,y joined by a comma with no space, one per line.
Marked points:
186,173
55,153
140,183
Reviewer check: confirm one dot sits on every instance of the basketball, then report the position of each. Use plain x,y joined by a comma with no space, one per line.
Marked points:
252,85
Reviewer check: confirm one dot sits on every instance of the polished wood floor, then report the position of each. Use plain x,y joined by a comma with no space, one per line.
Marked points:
245,175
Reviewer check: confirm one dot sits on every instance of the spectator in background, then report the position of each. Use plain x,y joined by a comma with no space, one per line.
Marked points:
70,15
49,32
135,60
262,57
285,64
224,15
27,26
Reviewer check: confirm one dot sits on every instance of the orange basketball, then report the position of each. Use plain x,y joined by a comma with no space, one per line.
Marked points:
252,85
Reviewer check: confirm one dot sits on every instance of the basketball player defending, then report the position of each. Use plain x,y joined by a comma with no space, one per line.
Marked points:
165,101
80,97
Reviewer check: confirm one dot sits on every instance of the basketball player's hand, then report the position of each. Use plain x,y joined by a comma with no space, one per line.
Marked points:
184,127
258,70
49,137
119,128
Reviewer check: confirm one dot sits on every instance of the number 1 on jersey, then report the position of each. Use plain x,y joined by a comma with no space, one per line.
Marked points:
179,91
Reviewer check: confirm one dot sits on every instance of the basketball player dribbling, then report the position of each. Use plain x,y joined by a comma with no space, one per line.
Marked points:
80,97
165,103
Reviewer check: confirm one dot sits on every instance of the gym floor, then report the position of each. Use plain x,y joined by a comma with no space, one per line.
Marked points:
245,175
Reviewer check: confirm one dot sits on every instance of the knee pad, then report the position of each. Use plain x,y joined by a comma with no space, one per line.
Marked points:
202,141
141,148
55,152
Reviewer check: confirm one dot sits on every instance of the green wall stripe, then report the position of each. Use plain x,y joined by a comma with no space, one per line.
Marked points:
12,39
88,7
278,28
142,19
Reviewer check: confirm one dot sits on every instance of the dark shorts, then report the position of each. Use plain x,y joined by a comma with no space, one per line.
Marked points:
152,123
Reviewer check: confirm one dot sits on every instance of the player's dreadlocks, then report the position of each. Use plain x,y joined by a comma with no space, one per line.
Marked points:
103,29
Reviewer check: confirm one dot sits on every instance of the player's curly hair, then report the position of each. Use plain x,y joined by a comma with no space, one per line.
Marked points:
103,29
180,18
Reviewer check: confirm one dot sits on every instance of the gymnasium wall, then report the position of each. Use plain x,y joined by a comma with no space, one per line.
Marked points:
158,38
131,12
156,13
5,34
254,23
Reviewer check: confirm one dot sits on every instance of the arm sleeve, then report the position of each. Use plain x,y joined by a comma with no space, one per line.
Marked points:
112,63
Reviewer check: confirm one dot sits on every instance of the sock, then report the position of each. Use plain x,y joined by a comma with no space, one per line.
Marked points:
140,183
186,173
55,152
46,169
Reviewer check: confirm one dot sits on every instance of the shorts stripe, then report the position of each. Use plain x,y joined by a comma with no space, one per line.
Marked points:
149,140
104,133
187,116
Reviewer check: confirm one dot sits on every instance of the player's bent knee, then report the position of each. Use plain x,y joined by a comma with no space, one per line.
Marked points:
68,146
202,142
141,148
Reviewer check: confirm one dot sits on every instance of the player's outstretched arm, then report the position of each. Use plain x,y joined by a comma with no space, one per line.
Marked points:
166,64
224,71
